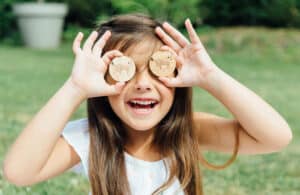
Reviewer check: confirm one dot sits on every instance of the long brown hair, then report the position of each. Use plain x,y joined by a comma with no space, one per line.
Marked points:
174,135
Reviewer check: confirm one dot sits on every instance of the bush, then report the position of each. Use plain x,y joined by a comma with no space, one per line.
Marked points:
8,25
282,13
256,12
85,13
275,13
72,30
175,12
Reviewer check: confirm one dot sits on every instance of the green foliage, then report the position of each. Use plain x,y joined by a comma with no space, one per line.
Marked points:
283,13
173,11
256,12
8,25
275,13
72,30
230,12
85,13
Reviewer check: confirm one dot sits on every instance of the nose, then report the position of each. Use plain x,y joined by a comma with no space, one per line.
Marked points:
142,82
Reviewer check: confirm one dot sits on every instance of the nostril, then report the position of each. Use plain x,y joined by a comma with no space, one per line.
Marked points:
140,87
143,88
142,83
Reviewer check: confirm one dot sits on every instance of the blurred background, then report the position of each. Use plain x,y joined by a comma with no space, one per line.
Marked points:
257,42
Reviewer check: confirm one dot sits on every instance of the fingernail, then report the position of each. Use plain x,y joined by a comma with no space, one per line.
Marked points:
188,21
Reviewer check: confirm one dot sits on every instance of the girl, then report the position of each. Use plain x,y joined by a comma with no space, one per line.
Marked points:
141,136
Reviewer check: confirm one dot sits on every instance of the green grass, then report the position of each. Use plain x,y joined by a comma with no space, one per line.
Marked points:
266,61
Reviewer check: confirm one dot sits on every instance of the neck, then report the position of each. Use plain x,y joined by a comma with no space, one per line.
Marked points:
139,144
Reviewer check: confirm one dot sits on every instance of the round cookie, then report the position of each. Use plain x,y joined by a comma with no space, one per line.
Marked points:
162,63
122,68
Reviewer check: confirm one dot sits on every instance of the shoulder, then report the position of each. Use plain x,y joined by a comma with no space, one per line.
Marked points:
79,124
76,134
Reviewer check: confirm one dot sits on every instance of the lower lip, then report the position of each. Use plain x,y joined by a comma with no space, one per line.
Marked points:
141,111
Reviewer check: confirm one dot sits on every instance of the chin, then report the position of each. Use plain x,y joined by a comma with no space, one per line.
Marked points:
141,125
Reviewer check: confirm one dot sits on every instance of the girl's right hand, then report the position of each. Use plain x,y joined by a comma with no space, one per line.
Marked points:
89,67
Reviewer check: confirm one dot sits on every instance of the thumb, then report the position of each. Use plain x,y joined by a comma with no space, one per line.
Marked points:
116,88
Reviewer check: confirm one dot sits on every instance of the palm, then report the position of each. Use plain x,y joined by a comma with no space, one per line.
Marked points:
194,61
89,73
89,68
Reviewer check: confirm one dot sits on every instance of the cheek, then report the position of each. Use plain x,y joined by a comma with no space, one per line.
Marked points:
168,94
114,102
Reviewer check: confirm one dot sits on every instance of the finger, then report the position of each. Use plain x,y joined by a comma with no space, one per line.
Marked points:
192,33
167,48
110,55
116,88
175,34
89,42
97,49
77,42
167,39
170,82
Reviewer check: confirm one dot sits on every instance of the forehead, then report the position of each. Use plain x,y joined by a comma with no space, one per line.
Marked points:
141,52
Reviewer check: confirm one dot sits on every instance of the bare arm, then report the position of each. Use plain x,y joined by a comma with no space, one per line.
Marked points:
262,129
39,153
31,150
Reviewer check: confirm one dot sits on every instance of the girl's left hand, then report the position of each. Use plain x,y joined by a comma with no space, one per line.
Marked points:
193,62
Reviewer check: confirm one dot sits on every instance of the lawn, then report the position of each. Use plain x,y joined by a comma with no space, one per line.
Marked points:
266,61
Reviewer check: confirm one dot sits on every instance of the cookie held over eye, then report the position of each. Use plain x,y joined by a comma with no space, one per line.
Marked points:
162,63
122,69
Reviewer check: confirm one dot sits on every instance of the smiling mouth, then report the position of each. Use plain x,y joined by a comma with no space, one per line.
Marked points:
142,103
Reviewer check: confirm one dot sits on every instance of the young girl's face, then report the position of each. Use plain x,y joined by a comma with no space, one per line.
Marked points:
144,101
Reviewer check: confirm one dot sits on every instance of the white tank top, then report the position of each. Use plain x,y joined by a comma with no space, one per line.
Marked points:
144,176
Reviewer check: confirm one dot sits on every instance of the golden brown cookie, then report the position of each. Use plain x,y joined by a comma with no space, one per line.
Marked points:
162,63
122,68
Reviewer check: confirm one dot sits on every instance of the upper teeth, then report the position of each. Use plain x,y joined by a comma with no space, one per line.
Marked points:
142,102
